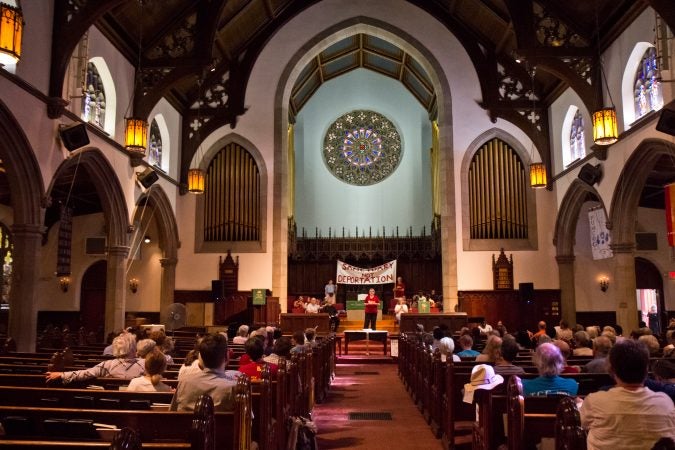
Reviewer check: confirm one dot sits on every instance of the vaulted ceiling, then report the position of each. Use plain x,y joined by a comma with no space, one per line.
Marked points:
182,41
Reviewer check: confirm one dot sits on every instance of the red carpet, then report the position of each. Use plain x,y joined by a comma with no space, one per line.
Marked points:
371,388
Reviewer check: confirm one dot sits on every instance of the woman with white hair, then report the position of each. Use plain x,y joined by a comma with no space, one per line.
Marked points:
447,348
125,365
242,335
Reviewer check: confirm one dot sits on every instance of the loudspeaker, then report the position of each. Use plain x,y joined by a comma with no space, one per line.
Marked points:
666,122
217,290
74,136
590,174
147,177
526,292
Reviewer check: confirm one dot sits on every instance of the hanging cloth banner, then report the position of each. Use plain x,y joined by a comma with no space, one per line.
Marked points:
670,213
348,274
600,238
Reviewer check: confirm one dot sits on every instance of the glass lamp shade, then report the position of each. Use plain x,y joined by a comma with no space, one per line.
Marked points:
604,126
196,181
136,135
538,175
11,32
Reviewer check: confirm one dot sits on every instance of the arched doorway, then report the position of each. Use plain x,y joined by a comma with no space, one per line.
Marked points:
649,290
92,298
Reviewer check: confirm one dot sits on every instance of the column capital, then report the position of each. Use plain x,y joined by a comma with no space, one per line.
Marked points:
27,229
565,259
168,262
119,250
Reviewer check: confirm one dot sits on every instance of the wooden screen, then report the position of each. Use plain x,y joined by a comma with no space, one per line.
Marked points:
497,193
232,197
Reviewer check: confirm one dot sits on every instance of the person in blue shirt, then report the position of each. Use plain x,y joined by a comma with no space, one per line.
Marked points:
550,363
466,342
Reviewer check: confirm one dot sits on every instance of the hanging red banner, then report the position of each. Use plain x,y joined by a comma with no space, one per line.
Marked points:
670,213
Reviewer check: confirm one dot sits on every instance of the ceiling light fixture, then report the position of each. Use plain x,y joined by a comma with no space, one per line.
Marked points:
11,32
136,129
605,130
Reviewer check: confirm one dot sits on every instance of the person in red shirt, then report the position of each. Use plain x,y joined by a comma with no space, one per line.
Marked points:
255,350
371,303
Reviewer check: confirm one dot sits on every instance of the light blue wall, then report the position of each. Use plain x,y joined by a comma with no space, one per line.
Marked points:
403,199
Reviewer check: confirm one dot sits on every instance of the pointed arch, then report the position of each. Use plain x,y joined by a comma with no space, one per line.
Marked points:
568,215
166,220
109,190
629,187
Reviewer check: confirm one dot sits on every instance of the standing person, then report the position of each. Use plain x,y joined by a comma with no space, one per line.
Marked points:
371,303
399,288
330,290
654,322
333,314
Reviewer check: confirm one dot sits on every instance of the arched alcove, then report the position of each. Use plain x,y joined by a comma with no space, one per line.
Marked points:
110,94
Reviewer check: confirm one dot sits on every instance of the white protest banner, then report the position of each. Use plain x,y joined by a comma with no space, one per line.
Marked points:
348,274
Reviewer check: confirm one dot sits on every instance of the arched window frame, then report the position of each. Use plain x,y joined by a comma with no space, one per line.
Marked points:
628,83
259,246
6,259
93,97
469,244
155,144
110,95
647,94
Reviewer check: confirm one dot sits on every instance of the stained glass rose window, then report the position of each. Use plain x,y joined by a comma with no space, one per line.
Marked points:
362,148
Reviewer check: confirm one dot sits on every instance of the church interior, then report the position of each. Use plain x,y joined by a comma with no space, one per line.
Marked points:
175,161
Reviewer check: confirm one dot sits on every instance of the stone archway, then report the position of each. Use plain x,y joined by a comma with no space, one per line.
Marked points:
27,189
111,196
565,231
624,211
156,198
441,86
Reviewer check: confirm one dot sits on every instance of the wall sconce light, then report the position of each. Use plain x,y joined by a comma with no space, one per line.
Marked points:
604,284
64,283
133,285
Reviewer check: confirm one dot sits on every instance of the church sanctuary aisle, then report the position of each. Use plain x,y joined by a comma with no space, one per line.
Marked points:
373,391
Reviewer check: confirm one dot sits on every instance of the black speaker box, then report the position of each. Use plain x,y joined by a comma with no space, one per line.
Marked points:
526,291
666,122
74,136
148,177
217,290
590,174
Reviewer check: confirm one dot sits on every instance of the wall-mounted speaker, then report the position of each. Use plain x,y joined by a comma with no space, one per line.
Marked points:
590,174
217,290
666,122
147,177
526,292
74,136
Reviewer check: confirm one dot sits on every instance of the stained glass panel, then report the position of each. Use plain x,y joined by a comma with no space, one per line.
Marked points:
155,145
362,148
647,95
93,98
577,138
6,259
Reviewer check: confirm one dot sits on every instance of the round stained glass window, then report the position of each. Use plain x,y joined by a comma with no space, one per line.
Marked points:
362,148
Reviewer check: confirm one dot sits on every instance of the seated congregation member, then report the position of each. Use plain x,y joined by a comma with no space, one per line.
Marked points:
214,380
485,328
164,344
550,363
563,332
298,341
125,365
447,346
155,365
400,308
628,416
541,331
242,335
601,347
505,356
582,344
438,334
144,347
282,349
312,307
255,351
669,350
191,363
566,352
466,342
664,374
491,350
310,338
652,344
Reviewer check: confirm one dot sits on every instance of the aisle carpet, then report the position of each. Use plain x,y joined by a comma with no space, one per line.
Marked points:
369,393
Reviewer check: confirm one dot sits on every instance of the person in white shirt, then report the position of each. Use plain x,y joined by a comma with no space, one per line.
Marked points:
628,416
313,306
155,365
485,328
400,308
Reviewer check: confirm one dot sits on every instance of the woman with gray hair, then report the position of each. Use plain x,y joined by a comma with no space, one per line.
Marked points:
242,335
550,363
447,346
125,365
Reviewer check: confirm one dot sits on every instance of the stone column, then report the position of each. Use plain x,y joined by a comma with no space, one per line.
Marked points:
623,286
27,241
167,286
116,288
567,290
